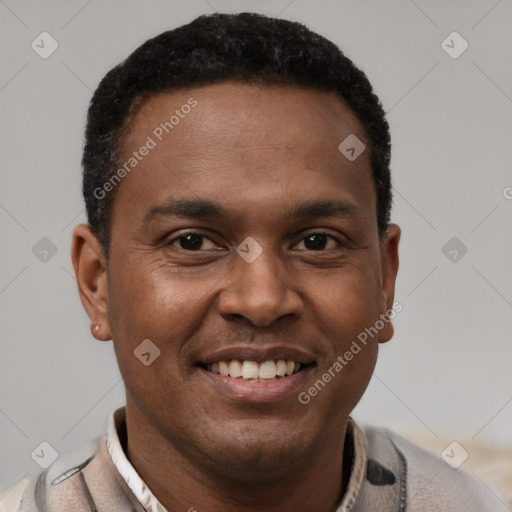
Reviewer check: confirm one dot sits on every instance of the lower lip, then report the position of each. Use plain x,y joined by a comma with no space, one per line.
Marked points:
247,391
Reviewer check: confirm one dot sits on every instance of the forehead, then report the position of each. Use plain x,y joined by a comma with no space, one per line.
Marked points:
232,110
245,145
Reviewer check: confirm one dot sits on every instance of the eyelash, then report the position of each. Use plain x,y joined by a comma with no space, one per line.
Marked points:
186,233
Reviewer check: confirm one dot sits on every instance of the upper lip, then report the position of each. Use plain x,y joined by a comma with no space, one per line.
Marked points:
258,354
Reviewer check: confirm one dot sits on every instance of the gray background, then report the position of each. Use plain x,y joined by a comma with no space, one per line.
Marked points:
447,371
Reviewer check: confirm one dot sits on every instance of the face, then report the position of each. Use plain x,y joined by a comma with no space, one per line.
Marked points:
243,242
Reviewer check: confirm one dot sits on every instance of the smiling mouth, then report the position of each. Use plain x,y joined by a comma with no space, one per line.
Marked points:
253,371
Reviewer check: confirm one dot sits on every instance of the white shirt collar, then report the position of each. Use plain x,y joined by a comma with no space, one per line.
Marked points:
151,504
124,466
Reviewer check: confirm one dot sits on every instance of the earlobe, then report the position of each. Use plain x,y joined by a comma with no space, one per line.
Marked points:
389,269
91,275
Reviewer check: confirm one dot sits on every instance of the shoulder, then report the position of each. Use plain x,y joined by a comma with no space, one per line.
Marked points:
77,481
431,483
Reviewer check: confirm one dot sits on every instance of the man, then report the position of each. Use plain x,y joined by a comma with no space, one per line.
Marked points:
239,254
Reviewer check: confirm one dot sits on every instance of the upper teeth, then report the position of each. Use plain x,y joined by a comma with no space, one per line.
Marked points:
254,370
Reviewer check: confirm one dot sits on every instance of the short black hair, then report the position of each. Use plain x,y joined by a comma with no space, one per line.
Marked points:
244,47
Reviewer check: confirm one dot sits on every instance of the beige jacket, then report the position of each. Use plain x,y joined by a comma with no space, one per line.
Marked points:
389,474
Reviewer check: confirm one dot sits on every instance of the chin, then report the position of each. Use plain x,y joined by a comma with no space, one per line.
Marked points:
246,452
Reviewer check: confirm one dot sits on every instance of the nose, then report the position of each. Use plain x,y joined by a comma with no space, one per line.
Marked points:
259,291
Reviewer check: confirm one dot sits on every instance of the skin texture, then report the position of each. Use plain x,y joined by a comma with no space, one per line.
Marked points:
258,151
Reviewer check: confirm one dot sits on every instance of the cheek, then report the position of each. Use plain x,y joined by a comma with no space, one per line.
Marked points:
155,304
346,305
142,299
347,309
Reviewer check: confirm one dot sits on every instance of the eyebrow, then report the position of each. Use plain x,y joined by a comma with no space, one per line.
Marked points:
324,208
186,208
201,209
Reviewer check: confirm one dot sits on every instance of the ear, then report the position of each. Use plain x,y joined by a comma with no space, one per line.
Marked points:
389,269
91,276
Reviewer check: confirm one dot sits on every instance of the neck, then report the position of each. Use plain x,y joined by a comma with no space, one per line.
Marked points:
316,481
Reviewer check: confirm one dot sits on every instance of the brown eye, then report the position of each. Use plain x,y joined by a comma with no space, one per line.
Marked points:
315,242
192,242
319,242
